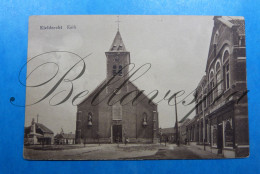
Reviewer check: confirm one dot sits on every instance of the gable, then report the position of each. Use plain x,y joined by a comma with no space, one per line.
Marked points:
93,92
103,83
145,96
224,25
43,129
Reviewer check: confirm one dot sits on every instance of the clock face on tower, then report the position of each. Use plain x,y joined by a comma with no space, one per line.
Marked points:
116,59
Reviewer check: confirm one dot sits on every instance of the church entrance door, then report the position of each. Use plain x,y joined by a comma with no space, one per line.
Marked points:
117,133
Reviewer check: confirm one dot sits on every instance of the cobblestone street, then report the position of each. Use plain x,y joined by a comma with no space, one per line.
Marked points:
182,152
115,152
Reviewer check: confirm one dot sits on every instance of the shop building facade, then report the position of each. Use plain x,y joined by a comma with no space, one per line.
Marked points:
221,120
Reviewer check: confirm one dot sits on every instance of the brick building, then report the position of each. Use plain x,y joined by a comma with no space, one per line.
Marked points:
221,120
169,134
64,138
102,118
182,131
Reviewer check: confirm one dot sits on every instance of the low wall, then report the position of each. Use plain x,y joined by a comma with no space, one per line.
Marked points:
108,140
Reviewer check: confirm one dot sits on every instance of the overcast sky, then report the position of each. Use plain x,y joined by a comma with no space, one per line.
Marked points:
176,47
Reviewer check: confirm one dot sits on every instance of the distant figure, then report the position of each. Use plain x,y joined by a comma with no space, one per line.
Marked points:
126,140
165,139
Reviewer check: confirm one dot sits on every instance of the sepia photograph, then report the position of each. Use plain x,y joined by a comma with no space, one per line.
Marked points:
135,87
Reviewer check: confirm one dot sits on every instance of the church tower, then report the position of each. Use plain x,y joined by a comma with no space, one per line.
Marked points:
118,59
113,121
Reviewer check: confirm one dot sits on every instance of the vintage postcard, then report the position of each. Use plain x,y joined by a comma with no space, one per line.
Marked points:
107,87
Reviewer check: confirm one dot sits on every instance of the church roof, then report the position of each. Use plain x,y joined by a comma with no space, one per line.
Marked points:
43,128
118,44
40,128
231,21
103,83
93,92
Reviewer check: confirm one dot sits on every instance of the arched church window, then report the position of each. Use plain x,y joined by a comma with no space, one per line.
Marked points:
144,120
228,134
120,70
114,70
90,115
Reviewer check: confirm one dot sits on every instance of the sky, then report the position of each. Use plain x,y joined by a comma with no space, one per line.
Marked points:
175,46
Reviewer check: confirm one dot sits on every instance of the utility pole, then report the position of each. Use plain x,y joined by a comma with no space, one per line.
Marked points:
176,124
204,126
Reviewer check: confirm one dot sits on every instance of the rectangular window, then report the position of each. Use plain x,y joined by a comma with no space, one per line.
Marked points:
219,87
211,91
227,80
242,41
205,102
200,105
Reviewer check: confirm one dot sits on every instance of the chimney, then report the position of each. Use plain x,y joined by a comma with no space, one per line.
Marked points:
37,117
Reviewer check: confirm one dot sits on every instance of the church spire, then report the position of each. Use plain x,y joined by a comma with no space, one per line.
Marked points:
118,23
117,44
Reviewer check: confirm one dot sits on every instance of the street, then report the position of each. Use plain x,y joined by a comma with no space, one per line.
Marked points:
182,152
115,152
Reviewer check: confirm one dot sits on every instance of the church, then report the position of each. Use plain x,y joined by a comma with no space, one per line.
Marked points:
102,117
